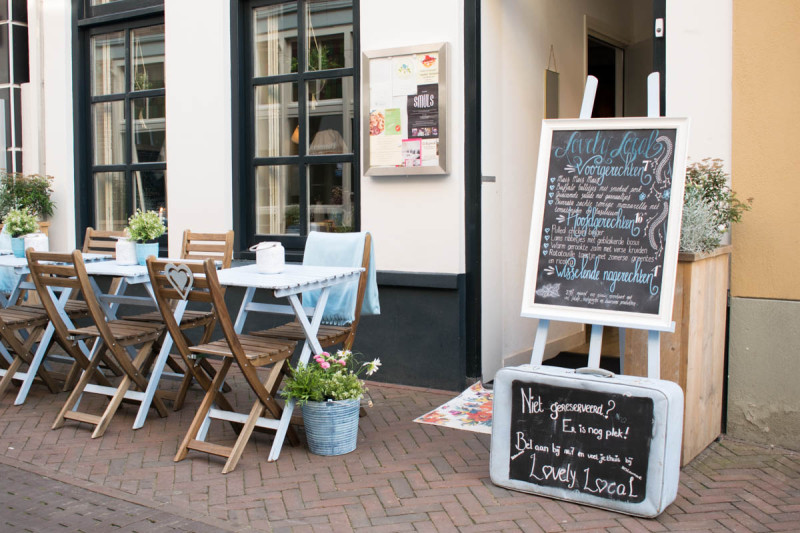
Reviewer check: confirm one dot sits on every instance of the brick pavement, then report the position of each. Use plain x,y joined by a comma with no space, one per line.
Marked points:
403,477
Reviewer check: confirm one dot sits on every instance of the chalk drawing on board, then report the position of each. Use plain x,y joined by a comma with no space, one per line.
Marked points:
606,221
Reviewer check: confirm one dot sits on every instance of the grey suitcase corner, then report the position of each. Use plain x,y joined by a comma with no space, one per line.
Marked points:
612,442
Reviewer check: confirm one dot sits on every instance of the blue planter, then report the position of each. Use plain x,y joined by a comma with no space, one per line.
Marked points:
143,251
18,246
332,426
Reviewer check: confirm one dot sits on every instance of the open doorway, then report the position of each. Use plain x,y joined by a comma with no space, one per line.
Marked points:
606,62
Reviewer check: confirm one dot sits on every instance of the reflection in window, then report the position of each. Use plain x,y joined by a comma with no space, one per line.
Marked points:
149,131
277,200
274,27
108,63
330,192
148,58
111,201
128,123
275,121
299,113
109,132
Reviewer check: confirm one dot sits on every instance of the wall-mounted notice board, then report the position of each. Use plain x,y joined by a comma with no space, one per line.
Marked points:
606,222
404,110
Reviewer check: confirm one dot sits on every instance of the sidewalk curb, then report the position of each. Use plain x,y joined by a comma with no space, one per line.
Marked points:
187,514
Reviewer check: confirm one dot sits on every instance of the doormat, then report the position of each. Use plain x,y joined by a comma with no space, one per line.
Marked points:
471,411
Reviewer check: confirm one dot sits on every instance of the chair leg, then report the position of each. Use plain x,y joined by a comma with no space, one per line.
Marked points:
24,355
181,396
202,411
77,392
138,363
236,452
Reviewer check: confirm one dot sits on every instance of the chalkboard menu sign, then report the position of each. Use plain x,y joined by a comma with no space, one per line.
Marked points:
591,442
606,221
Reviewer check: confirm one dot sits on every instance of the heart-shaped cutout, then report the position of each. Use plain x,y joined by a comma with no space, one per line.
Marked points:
551,194
547,230
549,202
181,279
552,180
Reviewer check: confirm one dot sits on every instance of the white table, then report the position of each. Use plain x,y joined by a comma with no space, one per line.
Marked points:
290,283
21,270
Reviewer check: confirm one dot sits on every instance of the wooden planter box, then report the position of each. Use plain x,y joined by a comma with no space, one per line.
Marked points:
693,356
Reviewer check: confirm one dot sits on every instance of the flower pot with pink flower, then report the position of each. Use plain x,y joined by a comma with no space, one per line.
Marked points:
329,390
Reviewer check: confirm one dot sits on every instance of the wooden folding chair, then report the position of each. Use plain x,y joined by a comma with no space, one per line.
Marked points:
328,335
113,336
33,321
249,353
196,246
101,242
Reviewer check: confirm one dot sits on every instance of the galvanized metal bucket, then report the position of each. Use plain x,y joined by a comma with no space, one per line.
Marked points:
332,426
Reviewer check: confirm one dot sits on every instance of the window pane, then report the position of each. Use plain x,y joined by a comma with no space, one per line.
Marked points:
111,201
109,133
147,47
108,63
330,116
150,192
149,131
276,120
328,21
275,39
277,200
330,193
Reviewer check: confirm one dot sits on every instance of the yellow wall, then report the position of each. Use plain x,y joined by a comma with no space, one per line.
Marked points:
766,148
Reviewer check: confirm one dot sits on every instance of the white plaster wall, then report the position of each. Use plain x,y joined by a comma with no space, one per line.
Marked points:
515,42
418,222
198,80
699,73
47,113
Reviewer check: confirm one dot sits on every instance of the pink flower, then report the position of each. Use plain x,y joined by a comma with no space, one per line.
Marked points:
342,362
325,354
325,365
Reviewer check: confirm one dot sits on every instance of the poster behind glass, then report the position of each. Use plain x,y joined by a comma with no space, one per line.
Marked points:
404,111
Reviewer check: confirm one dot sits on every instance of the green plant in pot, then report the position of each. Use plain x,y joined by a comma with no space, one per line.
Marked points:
709,206
26,192
329,391
144,227
20,222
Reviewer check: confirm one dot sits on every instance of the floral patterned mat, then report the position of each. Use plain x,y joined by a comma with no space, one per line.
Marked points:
471,410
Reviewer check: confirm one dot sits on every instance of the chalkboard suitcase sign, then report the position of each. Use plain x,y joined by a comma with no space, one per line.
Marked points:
588,436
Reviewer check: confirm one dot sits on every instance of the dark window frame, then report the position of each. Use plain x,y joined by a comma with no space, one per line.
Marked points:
245,161
125,15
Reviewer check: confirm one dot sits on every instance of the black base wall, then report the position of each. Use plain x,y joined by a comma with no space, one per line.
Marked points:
418,336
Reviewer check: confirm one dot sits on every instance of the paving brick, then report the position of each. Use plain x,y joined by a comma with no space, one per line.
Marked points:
403,476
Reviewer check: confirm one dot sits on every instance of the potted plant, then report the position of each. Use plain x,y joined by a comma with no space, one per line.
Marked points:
329,391
144,227
693,356
20,222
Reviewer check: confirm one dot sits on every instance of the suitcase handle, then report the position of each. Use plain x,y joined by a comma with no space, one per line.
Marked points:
596,371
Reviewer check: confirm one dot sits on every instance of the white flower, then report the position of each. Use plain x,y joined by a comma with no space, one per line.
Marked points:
372,366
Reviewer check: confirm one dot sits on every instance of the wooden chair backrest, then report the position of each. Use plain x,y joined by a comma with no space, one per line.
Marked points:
71,270
101,242
47,276
167,296
224,320
218,246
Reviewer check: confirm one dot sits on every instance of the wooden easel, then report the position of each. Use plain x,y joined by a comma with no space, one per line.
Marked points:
596,339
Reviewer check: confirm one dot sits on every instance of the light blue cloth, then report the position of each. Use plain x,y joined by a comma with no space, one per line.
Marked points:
342,249
8,280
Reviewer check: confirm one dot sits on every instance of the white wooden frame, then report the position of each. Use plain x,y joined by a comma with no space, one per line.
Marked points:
662,321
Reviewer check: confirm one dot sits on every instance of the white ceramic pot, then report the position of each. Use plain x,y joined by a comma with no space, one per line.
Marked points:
126,252
270,257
